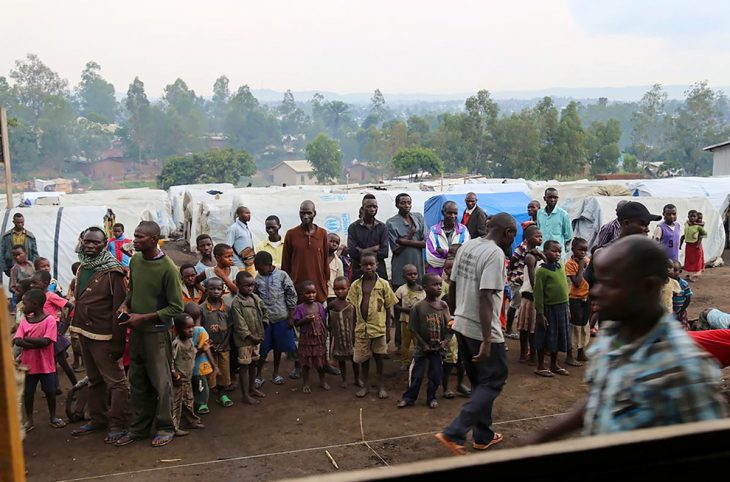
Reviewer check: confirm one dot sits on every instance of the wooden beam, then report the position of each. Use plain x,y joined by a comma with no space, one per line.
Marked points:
12,463
5,142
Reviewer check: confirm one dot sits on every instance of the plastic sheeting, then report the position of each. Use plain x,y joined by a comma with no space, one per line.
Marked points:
597,211
489,187
177,193
715,189
57,229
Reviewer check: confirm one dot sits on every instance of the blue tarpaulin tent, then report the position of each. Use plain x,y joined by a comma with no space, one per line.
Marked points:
514,203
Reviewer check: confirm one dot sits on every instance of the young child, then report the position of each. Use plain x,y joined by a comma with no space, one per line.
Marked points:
183,361
204,366
341,317
120,246
191,292
373,298
670,289
276,290
310,317
247,317
43,264
694,256
273,245
408,296
667,232
22,269
204,245
526,318
214,319
451,359
428,323
551,306
580,307
36,335
337,269
224,269
681,300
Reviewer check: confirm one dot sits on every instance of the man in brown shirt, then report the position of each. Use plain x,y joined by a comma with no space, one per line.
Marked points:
305,254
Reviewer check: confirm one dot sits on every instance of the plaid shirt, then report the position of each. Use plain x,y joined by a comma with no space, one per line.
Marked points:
661,379
608,232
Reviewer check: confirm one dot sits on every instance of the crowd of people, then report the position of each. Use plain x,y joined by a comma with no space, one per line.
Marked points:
157,341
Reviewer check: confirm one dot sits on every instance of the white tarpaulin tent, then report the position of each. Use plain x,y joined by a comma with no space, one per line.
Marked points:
572,194
177,193
715,189
489,187
57,229
599,210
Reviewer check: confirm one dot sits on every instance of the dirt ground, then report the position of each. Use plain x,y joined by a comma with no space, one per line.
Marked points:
287,435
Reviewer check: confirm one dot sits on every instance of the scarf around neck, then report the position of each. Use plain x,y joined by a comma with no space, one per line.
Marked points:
103,262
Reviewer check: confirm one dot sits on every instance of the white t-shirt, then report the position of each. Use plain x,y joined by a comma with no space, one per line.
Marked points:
227,295
479,265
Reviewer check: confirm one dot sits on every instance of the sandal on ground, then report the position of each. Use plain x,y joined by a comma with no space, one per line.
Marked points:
453,447
449,395
433,404
28,427
86,429
544,373
224,401
125,439
204,409
113,437
162,440
498,437
513,336
573,363
404,404
294,374
278,380
258,382
561,371
57,423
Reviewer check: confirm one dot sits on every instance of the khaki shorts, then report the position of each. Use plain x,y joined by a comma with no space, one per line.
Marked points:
365,348
249,354
222,361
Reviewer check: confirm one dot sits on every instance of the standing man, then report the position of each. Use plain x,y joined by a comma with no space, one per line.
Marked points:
17,236
645,370
273,244
445,233
100,291
474,218
368,235
554,222
155,297
239,238
407,239
475,298
609,231
306,252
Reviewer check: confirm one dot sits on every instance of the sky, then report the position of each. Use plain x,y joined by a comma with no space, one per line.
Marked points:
398,46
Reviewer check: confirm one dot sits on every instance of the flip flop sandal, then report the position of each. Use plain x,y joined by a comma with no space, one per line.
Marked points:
125,440
278,380
498,437
449,395
561,371
544,373
57,423
86,429
294,375
28,427
258,383
204,409
225,401
161,440
113,437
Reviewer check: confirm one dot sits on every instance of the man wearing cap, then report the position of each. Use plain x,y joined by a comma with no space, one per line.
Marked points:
474,217
554,222
609,231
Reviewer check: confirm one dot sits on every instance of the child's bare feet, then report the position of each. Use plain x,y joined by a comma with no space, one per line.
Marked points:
382,394
573,362
306,389
251,401
362,392
257,393
324,385
359,383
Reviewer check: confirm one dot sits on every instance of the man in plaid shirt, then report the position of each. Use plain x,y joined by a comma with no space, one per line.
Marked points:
645,370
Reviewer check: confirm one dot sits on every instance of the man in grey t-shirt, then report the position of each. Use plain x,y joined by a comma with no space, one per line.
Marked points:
475,297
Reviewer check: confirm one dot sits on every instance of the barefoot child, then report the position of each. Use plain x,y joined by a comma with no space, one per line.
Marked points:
224,269
310,317
408,296
276,290
341,318
191,292
580,307
214,318
183,361
205,367
248,317
682,299
694,256
526,323
204,244
36,335
551,306
428,323
373,299
451,359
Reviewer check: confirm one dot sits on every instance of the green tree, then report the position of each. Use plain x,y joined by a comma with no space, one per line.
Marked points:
336,114
378,112
451,143
416,161
517,151
35,86
92,138
216,165
96,95
546,115
481,119
649,124
570,142
631,164
293,119
138,123
325,156
248,126
418,131
602,146
57,123
185,118
219,104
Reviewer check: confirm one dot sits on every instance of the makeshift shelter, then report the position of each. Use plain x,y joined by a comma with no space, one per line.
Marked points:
715,189
489,187
572,194
177,193
57,230
514,203
597,211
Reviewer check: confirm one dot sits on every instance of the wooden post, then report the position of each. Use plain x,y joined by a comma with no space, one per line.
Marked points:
12,463
5,143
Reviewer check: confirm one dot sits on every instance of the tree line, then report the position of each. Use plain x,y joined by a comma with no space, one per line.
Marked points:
52,123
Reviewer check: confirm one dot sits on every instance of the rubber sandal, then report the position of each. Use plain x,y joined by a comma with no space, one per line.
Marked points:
28,427
294,375
113,437
258,383
404,404
561,371
224,401
498,437
125,440
57,423
544,373
453,447
161,440
433,404
574,363
204,409
86,429
278,380
449,395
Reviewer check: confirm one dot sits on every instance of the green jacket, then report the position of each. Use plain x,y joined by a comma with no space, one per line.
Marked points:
6,246
247,317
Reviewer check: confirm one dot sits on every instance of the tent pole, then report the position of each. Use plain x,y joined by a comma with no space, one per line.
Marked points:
4,141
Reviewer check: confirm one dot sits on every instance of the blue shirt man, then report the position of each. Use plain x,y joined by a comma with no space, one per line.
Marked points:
554,222
239,238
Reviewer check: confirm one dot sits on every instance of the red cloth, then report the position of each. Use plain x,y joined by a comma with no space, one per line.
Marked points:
465,218
694,257
715,342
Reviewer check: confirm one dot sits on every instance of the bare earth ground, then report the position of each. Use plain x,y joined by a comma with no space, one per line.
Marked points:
287,435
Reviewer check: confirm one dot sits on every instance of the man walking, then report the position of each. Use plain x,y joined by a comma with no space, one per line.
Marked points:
239,238
100,291
155,297
475,298
474,217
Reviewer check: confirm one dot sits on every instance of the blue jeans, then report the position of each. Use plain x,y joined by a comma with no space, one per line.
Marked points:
418,370
487,379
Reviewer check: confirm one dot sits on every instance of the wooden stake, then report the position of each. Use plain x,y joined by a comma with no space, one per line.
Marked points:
5,142
332,459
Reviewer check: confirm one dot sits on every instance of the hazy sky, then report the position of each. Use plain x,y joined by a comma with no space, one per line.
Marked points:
429,46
